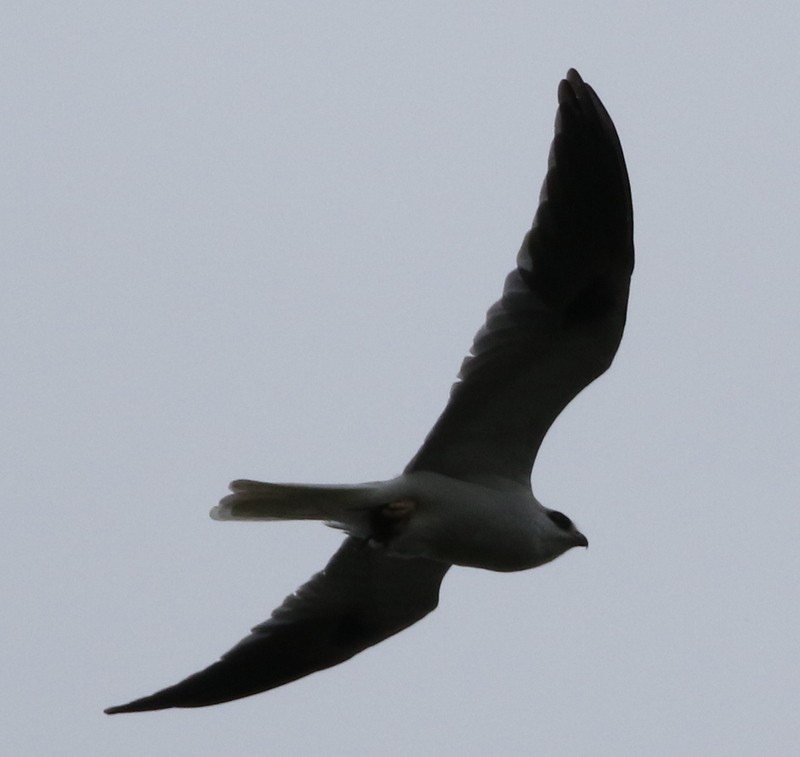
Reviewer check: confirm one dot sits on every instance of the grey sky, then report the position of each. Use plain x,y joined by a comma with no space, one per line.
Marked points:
256,241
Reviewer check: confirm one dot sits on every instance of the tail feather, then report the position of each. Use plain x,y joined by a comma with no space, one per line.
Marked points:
342,506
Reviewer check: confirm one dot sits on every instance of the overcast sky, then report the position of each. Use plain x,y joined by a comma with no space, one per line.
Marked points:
255,239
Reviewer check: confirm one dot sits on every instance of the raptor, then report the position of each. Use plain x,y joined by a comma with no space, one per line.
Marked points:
465,498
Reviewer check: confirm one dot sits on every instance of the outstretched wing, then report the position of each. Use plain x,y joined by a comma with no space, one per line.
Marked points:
361,597
560,319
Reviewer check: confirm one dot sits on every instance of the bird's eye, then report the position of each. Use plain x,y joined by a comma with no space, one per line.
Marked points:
561,520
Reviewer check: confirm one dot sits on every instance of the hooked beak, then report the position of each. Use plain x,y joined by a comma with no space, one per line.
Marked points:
581,540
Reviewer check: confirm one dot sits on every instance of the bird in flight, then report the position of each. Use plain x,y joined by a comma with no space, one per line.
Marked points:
465,498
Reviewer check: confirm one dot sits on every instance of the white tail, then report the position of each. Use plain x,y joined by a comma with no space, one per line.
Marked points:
341,506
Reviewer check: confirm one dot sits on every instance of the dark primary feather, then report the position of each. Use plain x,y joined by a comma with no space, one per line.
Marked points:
560,319
361,597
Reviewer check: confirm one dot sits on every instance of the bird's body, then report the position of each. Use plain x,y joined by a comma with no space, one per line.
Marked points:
465,498
500,527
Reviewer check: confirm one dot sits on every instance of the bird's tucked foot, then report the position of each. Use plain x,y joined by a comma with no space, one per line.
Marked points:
388,521
399,509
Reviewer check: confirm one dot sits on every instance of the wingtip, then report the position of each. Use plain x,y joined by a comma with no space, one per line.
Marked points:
573,77
116,709
145,704
572,86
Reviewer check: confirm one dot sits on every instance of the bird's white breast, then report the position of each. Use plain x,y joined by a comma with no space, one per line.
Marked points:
499,527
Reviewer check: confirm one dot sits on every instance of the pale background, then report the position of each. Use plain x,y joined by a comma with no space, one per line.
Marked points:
255,239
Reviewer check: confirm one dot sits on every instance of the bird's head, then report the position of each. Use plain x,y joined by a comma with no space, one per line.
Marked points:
566,528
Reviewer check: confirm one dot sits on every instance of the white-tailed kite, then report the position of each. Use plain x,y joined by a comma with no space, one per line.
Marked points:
465,498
